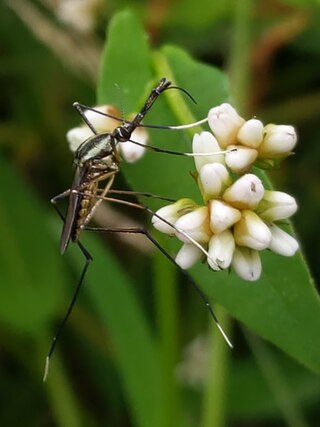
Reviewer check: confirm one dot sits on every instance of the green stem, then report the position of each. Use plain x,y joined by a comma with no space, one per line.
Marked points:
176,100
166,305
213,411
214,397
239,61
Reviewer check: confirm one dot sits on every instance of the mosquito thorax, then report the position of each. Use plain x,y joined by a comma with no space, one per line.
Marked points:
94,147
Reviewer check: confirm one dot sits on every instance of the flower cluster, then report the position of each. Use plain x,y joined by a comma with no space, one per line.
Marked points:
238,218
102,123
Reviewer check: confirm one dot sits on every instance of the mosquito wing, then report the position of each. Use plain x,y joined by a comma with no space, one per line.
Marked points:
70,222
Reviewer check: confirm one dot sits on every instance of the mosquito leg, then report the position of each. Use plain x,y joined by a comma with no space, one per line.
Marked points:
178,153
187,276
145,208
88,260
81,110
140,193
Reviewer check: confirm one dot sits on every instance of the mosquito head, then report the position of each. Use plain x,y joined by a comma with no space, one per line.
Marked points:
95,147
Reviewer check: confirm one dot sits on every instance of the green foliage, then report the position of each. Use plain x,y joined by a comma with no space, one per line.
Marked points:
114,364
283,305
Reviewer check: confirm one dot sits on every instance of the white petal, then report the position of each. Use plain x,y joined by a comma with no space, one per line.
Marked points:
213,179
276,205
195,224
205,142
278,142
245,193
188,255
225,122
103,123
222,216
240,159
132,152
252,232
77,135
171,213
247,264
282,243
251,133
221,248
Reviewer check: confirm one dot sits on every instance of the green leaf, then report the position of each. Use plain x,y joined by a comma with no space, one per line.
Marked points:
125,63
283,306
115,301
31,269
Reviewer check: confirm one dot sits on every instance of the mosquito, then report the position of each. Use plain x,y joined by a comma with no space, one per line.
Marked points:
97,162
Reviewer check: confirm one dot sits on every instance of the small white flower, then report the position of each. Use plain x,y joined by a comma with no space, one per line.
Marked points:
276,205
252,232
278,142
77,135
132,152
245,193
225,122
221,249
222,216
213,180
188,255
281,242
205,142
246,263
240,159
251,133
195,224
100,122
171,213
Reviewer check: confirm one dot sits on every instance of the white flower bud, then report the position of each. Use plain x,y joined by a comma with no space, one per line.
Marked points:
276,205
240,159
195,224
252,232
188,255
205,142
245,193
225,123
132,152
171,213
221,248
246,263
103,123
77,135
281,242
213,180
278,142
222,216
251,133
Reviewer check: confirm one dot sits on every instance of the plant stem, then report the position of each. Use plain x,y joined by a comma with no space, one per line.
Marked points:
239,61
166,306
175,99
213,411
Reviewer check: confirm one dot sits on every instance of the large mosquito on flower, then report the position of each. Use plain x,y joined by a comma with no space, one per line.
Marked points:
97,162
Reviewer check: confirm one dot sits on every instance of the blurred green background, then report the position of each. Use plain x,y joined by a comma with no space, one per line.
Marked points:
144,362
